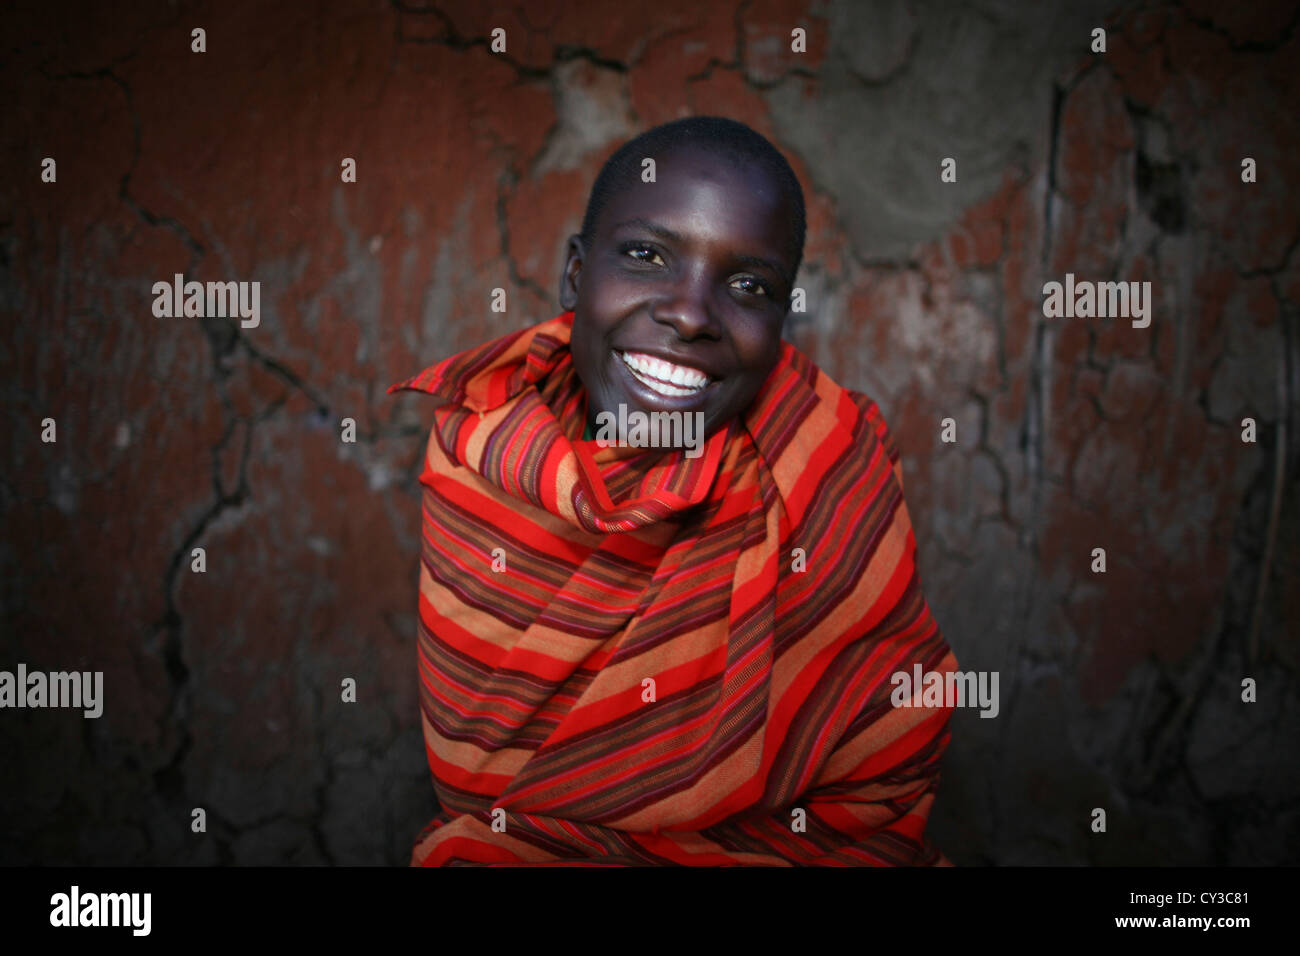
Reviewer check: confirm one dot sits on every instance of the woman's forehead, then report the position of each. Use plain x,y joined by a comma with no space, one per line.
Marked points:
693,169
703,195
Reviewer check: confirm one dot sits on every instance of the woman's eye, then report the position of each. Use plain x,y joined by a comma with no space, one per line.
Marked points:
755,287
629,250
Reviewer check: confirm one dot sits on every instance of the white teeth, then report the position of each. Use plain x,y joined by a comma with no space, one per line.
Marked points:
690,379
643,367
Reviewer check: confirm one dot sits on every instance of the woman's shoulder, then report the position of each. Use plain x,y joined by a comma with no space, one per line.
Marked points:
875,418
866,412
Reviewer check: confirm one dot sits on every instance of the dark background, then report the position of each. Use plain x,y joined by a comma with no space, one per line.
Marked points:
1118,690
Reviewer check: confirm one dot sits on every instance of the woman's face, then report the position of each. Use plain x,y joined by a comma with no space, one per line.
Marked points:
694,270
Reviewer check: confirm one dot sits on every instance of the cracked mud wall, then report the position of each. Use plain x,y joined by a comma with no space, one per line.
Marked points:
1118,690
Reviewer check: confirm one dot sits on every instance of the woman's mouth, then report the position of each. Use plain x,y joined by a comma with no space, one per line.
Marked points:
664,378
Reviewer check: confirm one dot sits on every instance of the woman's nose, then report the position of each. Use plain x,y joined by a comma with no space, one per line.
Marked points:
687,309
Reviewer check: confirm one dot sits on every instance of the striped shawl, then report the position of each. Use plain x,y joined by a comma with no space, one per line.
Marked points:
631,656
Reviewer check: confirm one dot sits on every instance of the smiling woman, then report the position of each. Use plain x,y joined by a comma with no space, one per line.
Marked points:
639,656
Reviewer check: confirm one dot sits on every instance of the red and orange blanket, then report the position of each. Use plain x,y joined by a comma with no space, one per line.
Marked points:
631,656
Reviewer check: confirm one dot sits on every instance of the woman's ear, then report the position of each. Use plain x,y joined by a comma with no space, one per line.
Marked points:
569,276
